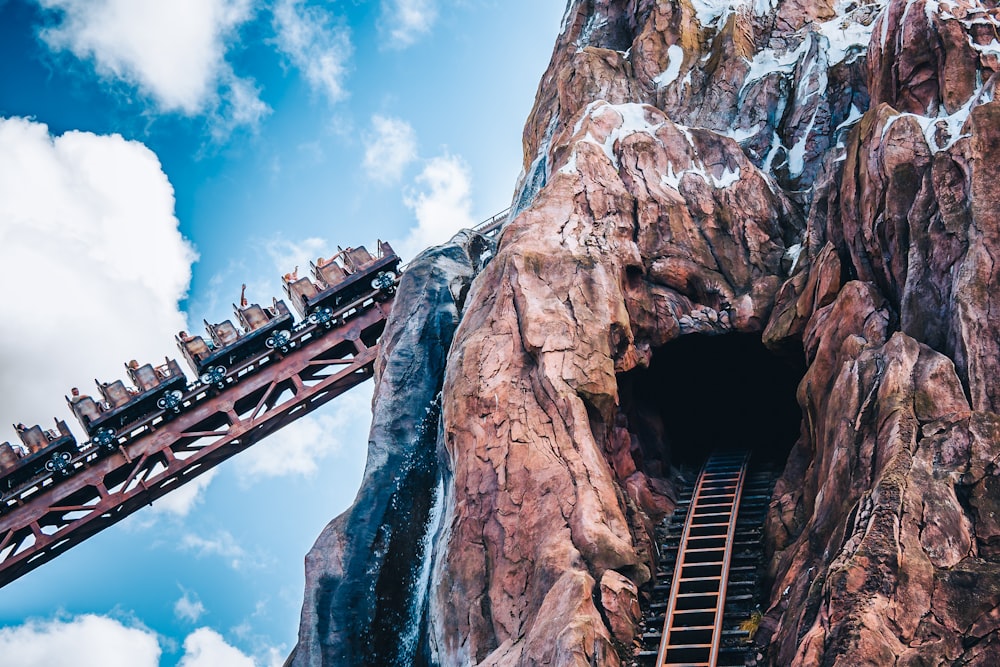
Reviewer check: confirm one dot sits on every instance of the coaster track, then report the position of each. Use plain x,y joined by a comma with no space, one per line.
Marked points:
61,493
707,582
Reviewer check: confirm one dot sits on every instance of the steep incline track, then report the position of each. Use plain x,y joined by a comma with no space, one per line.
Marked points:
709,561
104,480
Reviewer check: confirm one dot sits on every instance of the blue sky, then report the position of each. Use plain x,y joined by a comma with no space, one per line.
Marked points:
155,155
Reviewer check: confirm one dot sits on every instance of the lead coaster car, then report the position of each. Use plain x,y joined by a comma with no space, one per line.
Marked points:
380,275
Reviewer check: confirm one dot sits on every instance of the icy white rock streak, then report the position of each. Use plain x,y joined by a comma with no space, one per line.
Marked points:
570,166
934,7
811,83
767,61
713,13
672,179
815,77
848,31
411,635
728,177
943,123
594,23
843,38
675,57
570,6
981,17
709,12
991,49
797,153
538,172
793,253
952,123
740,135
633,120
853,117
771,154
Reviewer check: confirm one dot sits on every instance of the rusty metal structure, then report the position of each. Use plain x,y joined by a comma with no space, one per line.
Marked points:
159,431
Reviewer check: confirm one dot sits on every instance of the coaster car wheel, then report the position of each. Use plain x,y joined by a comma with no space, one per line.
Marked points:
215,375
322,316
105,439
171,400
279,339
59,463
384,281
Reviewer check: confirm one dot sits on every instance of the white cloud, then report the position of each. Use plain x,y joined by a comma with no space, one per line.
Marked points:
183,499
85,641
90,640
405,21
223,545
206,648
174,52
239,106
391,147
189,607
286,254
93,262
274,657
295,449
316,44
441,204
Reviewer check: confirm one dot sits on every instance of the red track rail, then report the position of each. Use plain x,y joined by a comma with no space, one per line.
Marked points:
692,629
50,515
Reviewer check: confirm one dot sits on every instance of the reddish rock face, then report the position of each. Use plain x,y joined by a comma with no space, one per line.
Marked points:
821,174
661,231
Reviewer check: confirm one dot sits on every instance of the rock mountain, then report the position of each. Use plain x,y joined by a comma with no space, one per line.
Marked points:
768,223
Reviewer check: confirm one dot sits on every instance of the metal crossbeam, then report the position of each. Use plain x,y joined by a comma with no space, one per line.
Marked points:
110,477
51,515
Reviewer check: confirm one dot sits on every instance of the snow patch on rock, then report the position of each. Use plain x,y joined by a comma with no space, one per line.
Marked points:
675,57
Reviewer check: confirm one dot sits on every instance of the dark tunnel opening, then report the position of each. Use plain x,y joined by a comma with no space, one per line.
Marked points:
704,393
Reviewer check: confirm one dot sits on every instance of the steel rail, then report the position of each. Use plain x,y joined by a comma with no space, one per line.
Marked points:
106,480
701,573
46,520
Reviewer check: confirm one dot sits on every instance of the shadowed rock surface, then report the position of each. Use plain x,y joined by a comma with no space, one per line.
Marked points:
820,177
363,571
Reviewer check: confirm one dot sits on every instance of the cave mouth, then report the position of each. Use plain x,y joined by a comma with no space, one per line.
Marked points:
707,393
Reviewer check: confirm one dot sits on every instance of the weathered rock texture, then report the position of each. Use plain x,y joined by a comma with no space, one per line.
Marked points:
362,601
823,174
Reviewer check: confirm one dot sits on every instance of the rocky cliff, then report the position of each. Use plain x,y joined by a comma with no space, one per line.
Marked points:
703,178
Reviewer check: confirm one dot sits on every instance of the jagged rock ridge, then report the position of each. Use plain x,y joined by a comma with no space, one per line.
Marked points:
821,174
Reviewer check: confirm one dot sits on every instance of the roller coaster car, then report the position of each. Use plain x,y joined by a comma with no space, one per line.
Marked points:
46,451
263,328
347,276
161,387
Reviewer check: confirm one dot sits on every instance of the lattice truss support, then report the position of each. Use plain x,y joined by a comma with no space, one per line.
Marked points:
52,515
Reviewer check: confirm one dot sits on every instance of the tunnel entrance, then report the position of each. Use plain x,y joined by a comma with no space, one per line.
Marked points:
704,393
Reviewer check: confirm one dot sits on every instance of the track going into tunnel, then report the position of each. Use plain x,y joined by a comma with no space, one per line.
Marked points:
702,609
